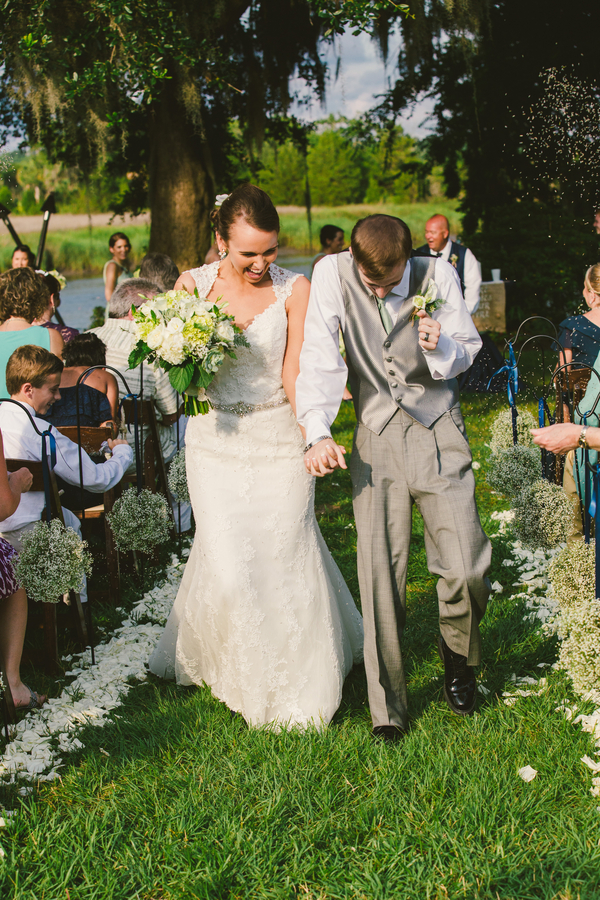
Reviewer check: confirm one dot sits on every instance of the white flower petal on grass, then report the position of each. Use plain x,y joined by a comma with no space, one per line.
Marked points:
33,754
592,764
497,587
527,773
476,465
483,690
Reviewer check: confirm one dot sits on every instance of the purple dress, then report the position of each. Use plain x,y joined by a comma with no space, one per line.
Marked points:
8,581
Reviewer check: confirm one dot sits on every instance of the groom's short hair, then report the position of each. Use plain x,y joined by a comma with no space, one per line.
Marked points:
379,243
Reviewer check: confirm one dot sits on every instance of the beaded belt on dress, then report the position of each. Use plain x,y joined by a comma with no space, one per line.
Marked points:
242,409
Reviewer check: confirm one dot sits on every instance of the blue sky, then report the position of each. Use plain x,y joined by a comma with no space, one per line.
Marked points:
362,75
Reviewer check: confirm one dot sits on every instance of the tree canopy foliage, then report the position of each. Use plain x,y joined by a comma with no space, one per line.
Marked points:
517,110
150,87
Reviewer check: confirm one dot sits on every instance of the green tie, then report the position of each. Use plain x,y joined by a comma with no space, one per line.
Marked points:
386,319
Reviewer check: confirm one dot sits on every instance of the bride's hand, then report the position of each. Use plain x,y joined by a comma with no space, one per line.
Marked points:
324,457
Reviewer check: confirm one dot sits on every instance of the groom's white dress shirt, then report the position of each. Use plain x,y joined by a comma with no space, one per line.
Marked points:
323,372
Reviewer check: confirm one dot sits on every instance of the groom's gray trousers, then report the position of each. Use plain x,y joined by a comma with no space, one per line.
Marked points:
409,463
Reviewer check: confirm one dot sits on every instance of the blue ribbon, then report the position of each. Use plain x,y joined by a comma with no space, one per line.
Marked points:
594,511
48,463
512,385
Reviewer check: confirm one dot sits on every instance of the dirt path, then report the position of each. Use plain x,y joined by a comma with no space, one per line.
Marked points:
66,221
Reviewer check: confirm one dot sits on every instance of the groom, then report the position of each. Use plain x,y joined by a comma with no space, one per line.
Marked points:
409,447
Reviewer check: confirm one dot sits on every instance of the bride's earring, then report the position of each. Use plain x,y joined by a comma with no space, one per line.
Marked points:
222,254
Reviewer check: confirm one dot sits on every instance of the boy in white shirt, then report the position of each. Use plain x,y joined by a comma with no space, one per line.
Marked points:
33,379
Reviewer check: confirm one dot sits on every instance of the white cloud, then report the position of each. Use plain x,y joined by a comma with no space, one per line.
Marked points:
362,74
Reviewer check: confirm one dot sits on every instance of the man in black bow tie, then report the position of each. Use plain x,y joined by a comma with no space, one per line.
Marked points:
437,235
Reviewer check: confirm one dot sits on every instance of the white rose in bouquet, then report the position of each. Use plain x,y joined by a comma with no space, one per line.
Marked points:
173,349
225,331
175,325
156,337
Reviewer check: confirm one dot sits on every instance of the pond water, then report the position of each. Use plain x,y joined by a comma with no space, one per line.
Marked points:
81,295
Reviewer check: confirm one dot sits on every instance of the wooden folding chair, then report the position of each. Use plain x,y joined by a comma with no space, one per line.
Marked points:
49,609
91,441
154,471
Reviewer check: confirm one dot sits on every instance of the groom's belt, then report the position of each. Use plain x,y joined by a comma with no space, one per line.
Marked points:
243,409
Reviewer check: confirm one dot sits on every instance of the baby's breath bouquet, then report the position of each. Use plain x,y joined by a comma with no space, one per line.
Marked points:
502,430
178,484
140,521
52,562
429,301
543,515
187,336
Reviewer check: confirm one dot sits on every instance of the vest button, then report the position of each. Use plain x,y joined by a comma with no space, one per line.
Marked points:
391,372
388,344
389,359
394,384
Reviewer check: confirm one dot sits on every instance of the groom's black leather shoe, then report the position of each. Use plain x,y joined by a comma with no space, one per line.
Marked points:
388,733
460,685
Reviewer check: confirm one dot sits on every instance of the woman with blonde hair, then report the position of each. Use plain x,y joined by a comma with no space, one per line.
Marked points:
580,335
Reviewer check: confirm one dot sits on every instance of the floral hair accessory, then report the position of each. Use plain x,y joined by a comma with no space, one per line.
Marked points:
427,301
62,281
220,199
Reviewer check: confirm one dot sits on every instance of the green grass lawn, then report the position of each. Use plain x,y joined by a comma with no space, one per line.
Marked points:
84,251
190,804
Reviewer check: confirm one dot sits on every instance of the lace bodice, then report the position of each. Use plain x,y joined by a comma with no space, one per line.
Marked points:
255,376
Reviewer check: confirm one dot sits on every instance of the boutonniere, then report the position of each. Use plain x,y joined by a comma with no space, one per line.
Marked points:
454,260
429,301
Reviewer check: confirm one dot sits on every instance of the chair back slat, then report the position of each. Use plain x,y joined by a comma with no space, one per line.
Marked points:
91,438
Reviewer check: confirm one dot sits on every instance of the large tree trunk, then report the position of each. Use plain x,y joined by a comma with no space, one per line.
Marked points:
181,186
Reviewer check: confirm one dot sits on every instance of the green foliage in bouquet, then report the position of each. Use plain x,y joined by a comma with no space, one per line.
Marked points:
189,338
502,433
512,470
543,515
52,562
178,484
572,574
140,521
580,649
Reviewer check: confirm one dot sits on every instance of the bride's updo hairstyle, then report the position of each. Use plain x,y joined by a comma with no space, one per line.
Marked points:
246,202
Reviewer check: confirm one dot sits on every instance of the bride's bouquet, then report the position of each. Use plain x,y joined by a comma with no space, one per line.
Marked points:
189,338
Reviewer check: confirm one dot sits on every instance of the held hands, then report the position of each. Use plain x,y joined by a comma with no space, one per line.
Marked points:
429,331
324,457
21,480
112,444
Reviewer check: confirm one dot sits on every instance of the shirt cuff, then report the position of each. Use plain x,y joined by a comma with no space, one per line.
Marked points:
127,450
316,426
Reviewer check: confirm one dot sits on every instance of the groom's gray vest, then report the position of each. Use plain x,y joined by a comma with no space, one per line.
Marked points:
389,371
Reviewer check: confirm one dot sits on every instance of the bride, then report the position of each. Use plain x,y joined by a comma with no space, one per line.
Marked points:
263,615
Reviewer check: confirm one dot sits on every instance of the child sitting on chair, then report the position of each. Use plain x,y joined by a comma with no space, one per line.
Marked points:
33,379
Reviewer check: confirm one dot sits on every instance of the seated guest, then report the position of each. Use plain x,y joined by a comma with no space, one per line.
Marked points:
160,270
22,257
23,298
580,335
98,392
13,599
33,380
332,241
45,319
116,333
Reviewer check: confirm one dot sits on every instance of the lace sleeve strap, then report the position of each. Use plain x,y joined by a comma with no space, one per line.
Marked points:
204,277
283,281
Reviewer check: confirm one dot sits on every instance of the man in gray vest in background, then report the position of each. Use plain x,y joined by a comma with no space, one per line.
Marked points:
409,447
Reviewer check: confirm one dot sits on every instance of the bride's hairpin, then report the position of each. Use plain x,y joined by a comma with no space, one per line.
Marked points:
220,199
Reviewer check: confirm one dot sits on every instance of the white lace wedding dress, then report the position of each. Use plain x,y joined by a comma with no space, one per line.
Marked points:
263,615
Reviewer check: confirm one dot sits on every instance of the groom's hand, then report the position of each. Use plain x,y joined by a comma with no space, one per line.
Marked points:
429,331
324,457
